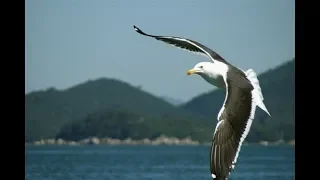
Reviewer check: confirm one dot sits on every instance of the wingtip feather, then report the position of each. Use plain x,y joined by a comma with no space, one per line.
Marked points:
136,28
140,32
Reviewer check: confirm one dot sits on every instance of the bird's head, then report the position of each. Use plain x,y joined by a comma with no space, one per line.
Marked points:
200,68
211,72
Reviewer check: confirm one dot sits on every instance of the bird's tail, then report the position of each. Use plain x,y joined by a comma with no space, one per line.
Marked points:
256,92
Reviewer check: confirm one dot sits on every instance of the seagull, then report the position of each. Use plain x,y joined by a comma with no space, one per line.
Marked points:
242,95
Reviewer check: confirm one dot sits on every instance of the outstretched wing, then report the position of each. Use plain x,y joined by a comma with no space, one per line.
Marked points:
233,125
223,150
186,44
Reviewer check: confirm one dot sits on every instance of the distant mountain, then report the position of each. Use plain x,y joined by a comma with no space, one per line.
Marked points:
278,88
173,101
110,107
123,124
47,111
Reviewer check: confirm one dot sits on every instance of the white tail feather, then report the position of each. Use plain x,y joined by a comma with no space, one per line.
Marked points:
256,92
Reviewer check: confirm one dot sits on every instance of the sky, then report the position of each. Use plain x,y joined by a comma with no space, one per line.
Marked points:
68,42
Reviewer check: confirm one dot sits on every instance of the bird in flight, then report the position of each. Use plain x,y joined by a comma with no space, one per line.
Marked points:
243,94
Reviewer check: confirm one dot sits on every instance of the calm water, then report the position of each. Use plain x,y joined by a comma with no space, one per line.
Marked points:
153,162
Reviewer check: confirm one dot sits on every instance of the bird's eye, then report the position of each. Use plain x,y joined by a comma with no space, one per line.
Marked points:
201,66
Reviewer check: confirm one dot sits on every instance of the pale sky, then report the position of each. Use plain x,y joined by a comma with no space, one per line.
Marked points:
71,41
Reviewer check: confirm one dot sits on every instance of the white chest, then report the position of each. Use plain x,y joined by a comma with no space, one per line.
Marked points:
215,80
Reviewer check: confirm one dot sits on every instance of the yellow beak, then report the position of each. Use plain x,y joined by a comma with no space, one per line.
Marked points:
191,71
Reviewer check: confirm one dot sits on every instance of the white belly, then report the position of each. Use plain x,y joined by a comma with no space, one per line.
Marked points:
215,80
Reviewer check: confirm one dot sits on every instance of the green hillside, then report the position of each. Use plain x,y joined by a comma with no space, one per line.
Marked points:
47,111
109,107
278,88
123,124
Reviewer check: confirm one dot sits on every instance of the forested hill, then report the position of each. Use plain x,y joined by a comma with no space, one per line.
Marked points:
109,107
47,111
278,88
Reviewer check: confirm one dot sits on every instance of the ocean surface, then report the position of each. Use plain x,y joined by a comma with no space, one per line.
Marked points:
125,162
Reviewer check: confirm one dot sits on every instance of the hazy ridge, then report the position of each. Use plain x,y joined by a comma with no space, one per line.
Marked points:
113,108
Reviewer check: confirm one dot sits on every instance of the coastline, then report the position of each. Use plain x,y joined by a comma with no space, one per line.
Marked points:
161,140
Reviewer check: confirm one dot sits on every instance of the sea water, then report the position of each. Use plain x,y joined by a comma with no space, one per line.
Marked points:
147,162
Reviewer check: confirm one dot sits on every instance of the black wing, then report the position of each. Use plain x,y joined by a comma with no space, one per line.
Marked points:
186,44
223,150
232,128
